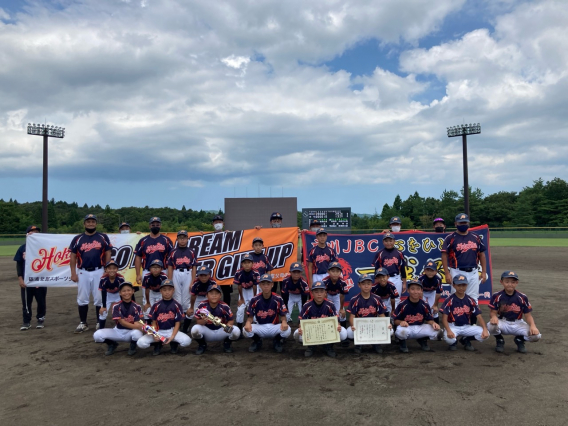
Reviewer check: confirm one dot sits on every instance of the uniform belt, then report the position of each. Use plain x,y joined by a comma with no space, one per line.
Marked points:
90,269
393,275
466,269
182,269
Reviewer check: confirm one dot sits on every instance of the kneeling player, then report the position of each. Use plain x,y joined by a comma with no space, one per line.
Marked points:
127,315
506,310
205,331
166,315
270,312
151,284
413,318
319,307
431,287
199,290
385,290
458,311
295,290
365,305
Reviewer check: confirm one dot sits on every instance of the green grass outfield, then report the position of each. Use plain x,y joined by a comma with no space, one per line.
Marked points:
529,242
8,250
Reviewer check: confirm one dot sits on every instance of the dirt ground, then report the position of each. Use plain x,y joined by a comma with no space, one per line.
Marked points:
56,377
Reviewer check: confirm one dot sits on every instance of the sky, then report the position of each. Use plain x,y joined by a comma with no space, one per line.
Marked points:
340,104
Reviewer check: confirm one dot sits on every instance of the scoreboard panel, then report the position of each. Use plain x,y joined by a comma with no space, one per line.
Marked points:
333,218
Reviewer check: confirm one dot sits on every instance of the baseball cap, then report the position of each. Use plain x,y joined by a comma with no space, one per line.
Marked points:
217,217
388,235
166,283
248,257
334,265
157,262
257,240
413,282
395,219
155,219
123,224
296,267
90,216
317,285
32,228
460,279
431,265
203,270
315,222
462,217
509,274
182,232
365,277
321,231
381,271
266,277
275,215
214,287
438,219
111,262
128,283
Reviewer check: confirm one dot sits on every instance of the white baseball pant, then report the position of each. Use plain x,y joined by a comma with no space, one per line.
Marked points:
397,282
351,334
514,328
247,296
182,283
416,332
342,335
111,298
293,299
87,285
464,331
183,339
336,300
198,300
155,296
117,335
430,297
199,331
267,330
318,277
472,289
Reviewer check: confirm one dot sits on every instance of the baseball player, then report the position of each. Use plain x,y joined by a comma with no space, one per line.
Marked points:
260,264
247,280
270,312
320,257
439,225
28,293
319,307
295,290
151,247
385,290
108,286
182,265
124,228
199,289
205,331
461,252
219,226
167,315
432,287
458,310
336,289
126,314
151,284
393,260
276,222
507,308
413,319
90,251
365,305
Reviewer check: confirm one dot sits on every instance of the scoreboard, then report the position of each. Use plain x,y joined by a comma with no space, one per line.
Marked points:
334,218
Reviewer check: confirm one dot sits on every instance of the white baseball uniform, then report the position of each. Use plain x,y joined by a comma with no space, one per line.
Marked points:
516,328
248,294
181,338
473,282
430,298
464,331
293,299
182,283
267,330
87,285
110,299
117,335
199,331
416,332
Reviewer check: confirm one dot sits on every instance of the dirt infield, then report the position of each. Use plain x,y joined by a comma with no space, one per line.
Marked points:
55,377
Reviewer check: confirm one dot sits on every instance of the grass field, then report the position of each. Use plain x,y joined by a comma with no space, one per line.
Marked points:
529,242
8,250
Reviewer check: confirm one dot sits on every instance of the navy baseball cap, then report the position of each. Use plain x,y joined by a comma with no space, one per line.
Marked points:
431,265
128,283
381,271
90,216
318,285
32,228
111,262
217,217
182,232
296,267
413,282
315,222
462,217
156,262
123,224
166,283
365,277
321,231
438,219
248,257
509,274
388,235
266,277
460,279
155,219
214,287
203,270
275,215
335,265
395,219
257,240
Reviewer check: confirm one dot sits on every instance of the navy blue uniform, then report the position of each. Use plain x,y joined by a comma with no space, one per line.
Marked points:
312,310
463,250
320,258
363,308
512,307
413,313
333,288
166,313
90,250
267,311
387,292
28,293
153,283
246,279
298,287
460,311
150,249
260,263
392,260
107,286
431,284
131,312
182,258
200,289
221,311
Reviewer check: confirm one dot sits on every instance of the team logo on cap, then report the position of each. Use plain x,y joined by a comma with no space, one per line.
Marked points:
461,277
90,215
296,265
154,219
511,273
462,216
396,218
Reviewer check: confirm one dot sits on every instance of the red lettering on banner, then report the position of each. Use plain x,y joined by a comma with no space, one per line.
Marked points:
371,249
348,249
463,247
95,245
163,317
359,246
50,258
156,247
265,314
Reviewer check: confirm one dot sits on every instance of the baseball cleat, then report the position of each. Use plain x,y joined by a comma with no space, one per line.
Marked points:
25,326
424,345
309,352
254,347
81,327
174,347
111,348
403,348
157,349
330,352
227,346
277,344
453,347
520,342
378,349
132,349
467,344
500,346
357,349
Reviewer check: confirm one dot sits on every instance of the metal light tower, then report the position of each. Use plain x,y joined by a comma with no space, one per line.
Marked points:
463,130
46,131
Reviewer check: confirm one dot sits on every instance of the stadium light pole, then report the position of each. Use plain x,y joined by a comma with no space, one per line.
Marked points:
46,131
463,130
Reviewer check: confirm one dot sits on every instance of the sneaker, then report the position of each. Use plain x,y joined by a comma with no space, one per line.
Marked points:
256,345
309,352
81,327
40,324
520,342
357,349
25,326
132,349
378,349
500,346
467,344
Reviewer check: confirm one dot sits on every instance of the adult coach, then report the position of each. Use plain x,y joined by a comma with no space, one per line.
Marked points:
219,226
461,252
90,251
154,246
28,293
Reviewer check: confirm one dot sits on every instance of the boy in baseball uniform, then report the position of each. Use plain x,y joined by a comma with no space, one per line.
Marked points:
151,283
246,279
320,257
507,308
199,289
336,290
431,287
295,290
109,284
394,262
385,290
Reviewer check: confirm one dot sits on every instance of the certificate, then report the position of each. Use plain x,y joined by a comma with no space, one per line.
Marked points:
372,331
319,331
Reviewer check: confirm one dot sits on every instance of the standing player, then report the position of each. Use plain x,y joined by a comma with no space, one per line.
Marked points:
90,251
151,247
395,224
336,290
507,308
199,289
28,293
461,252
182,265
247,280
385,290
219,226
393,260
315,224
320,257
295,290
151,284
432,287
439,225
260,264
270,312
109,285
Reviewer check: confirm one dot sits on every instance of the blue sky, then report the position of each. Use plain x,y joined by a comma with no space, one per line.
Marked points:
169,103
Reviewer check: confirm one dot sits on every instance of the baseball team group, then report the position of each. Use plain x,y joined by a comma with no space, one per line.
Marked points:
181,302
